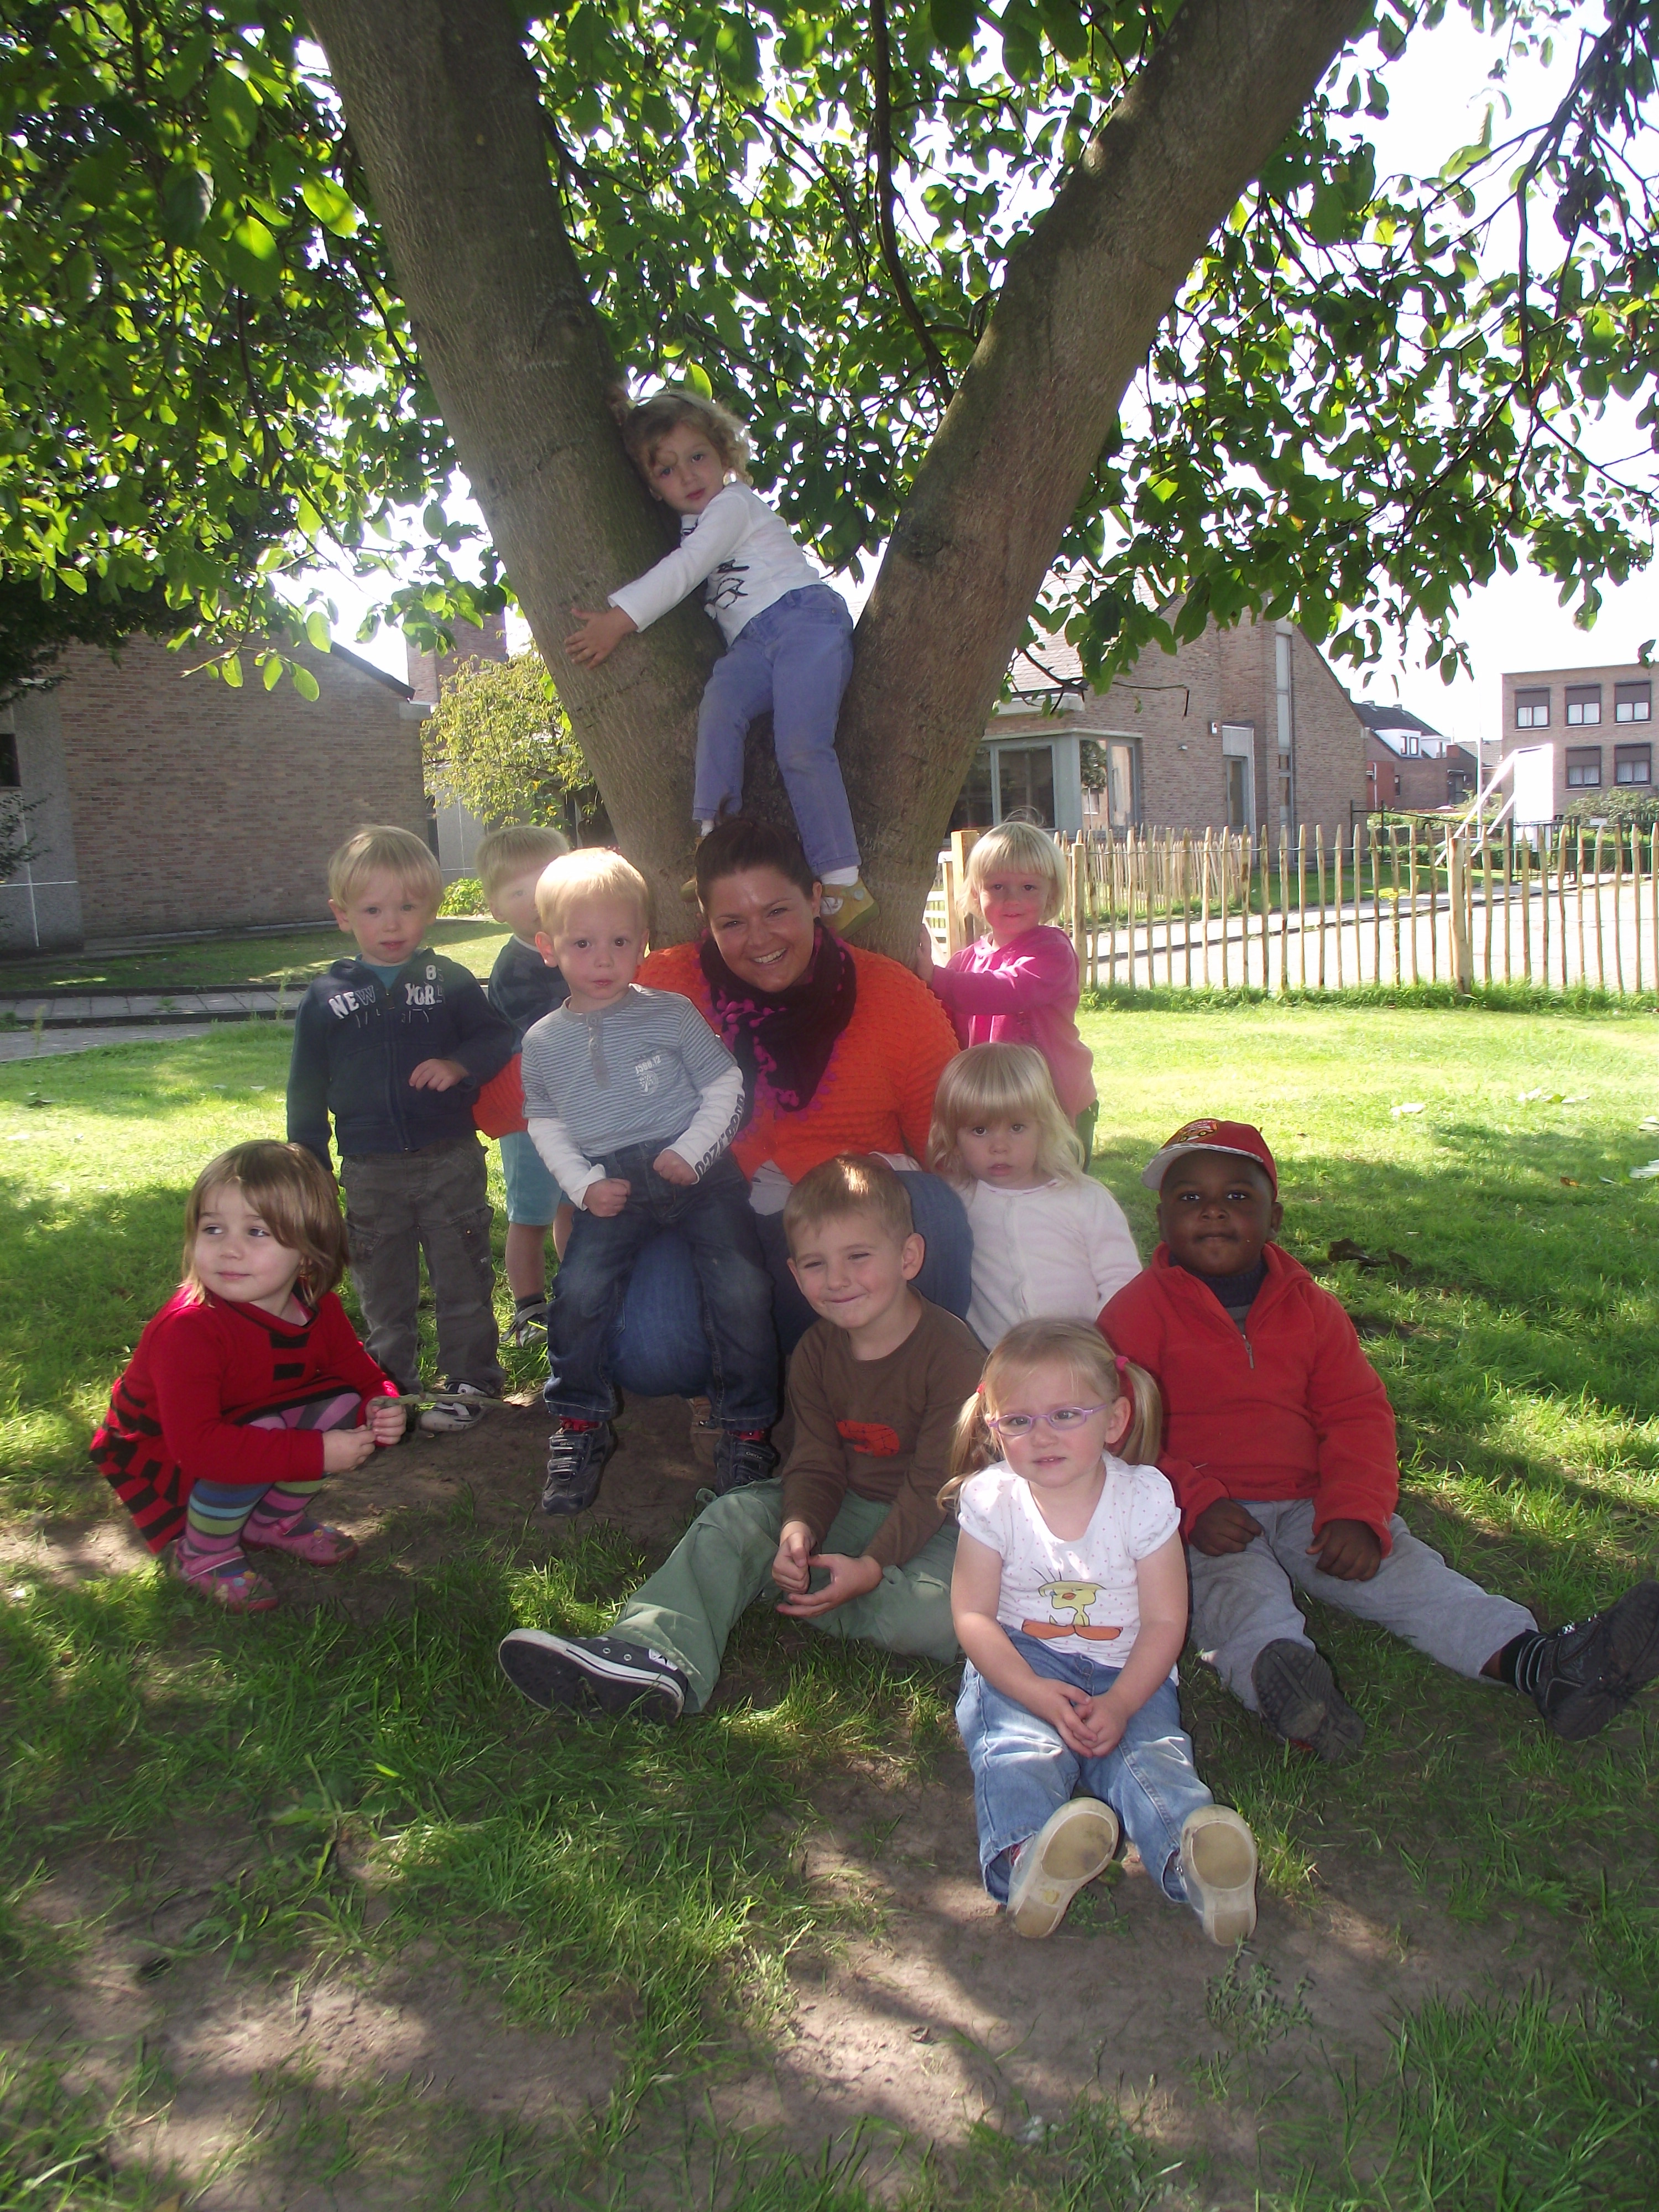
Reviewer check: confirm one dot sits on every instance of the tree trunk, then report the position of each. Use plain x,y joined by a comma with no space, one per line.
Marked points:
444,112
444,115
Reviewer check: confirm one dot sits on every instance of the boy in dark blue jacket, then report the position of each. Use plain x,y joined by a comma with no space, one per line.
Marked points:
395,1044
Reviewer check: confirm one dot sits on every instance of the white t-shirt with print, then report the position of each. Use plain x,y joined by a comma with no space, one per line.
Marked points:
1078,1594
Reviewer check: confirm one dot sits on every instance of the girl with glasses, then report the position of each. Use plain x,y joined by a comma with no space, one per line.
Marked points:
1070,1600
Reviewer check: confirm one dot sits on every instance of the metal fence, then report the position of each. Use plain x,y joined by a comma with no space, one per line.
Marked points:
1419,900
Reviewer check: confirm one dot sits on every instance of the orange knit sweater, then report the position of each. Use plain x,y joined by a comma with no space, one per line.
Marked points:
877,1093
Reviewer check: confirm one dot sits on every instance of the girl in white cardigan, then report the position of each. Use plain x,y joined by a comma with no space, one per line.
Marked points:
1050,1243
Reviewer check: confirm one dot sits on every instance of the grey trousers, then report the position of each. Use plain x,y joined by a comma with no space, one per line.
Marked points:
1245,1600
399,1205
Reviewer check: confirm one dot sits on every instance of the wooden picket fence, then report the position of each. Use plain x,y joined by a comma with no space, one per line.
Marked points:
1400,900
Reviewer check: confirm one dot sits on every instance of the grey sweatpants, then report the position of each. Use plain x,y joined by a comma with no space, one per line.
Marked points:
1245,1600
435,1200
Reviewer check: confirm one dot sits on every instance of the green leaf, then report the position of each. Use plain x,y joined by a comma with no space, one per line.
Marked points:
251,258
186,203
233,107
953,23
306,684
230,671
271,666
332,208
317,630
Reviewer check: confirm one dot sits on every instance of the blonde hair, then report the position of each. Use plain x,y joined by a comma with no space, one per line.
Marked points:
645,427
1101,1375
400,852
852,1182
293,1194
595,872
514,851
1001,1082
1015,845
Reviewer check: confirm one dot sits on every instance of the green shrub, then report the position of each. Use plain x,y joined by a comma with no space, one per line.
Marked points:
1625,802
464,896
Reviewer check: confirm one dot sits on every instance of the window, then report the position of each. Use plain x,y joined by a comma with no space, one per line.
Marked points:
1632,703
1633,764
1532,710
973,809
1584,767
1025,783
10,778
1584,705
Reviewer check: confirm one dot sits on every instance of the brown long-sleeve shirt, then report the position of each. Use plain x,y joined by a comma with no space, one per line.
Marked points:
880,1428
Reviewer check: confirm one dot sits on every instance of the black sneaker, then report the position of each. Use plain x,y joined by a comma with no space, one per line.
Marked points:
593,1674
1589,1670
575,1460
528,1326
1300,1701
740,1460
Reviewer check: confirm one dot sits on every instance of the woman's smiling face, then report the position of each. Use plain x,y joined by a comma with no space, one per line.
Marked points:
762,925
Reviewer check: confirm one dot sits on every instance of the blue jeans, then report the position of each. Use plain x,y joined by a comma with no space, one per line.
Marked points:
731,1291
658,1349
795,657
1023,1772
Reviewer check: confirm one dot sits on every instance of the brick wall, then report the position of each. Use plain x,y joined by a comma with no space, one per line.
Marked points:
197,807
1550,687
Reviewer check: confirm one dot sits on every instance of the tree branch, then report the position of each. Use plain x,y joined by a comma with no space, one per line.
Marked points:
882,133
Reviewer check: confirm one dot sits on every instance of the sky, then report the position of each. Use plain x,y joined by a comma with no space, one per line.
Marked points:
1438,92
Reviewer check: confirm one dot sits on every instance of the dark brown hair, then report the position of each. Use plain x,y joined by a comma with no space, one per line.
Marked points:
293,1194
737,843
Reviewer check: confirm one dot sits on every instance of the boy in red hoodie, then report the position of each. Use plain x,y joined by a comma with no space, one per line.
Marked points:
1279,1444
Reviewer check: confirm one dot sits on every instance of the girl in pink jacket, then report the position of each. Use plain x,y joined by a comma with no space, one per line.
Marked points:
1018,984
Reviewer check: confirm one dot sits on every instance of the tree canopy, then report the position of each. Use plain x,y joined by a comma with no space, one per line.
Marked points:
210,379
500,742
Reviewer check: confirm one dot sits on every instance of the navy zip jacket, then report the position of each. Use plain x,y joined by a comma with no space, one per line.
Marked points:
523,987
356,1043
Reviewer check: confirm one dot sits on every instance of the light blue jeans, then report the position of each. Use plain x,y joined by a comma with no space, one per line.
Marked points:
793,657
1023,1772
658,1348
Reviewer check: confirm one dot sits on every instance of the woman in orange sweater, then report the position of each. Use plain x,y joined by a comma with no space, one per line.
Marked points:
840,1050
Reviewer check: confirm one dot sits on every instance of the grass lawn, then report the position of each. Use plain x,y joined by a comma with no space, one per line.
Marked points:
374,1797
224,963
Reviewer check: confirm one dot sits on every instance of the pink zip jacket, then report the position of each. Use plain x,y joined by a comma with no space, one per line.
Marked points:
1025,993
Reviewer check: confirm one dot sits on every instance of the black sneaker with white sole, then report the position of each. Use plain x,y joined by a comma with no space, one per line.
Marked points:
740,1460
1300,1701
1589,1671
592,1674
575,1460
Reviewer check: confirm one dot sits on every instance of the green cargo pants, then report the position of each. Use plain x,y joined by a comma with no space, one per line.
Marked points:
723,1563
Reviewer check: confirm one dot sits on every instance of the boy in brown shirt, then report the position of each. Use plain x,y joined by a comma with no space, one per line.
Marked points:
876,1386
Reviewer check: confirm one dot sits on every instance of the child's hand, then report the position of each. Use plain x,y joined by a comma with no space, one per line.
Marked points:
1100,1723
925,962
673,1168
436,1075
345,1448
385,1420
607,1196
848,1578
1348,1549
1225,1527
1065,1707
790,1570
602,631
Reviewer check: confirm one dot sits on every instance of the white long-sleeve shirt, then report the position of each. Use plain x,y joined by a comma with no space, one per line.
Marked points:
1058,1252
740,551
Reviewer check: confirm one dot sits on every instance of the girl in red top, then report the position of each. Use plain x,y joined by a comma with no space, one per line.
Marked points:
250,1385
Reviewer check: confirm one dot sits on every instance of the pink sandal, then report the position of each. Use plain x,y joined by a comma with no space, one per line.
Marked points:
312,1541
238,1591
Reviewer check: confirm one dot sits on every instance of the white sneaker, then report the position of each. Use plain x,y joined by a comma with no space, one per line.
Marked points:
1217,1857
463,1407
1071,1847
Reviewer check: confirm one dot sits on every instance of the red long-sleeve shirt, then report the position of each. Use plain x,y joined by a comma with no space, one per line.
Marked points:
1291,1408
203,1369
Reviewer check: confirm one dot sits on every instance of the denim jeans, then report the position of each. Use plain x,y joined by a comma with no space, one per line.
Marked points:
658,1349
795,657
731,1299
1023,1772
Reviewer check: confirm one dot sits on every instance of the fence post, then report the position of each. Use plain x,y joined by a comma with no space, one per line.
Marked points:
1411,877
1461,916
1526,910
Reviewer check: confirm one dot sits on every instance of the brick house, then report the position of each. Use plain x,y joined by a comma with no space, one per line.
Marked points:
162,801
1237,728
1583,731
1411,765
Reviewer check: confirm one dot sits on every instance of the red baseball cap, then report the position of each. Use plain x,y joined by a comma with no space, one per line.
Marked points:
1240,1137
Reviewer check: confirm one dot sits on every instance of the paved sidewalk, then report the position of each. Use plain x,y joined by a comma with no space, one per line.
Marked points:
78,1009
54,1043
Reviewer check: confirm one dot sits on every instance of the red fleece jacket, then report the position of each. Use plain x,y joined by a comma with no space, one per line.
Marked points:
1291,1409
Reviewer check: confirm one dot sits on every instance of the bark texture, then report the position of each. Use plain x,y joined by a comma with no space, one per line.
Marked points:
444,112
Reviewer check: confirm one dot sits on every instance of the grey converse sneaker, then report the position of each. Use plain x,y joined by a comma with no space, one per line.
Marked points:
461,1407
593,1674
528,1326
740,1460
1300,1701
575,1460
